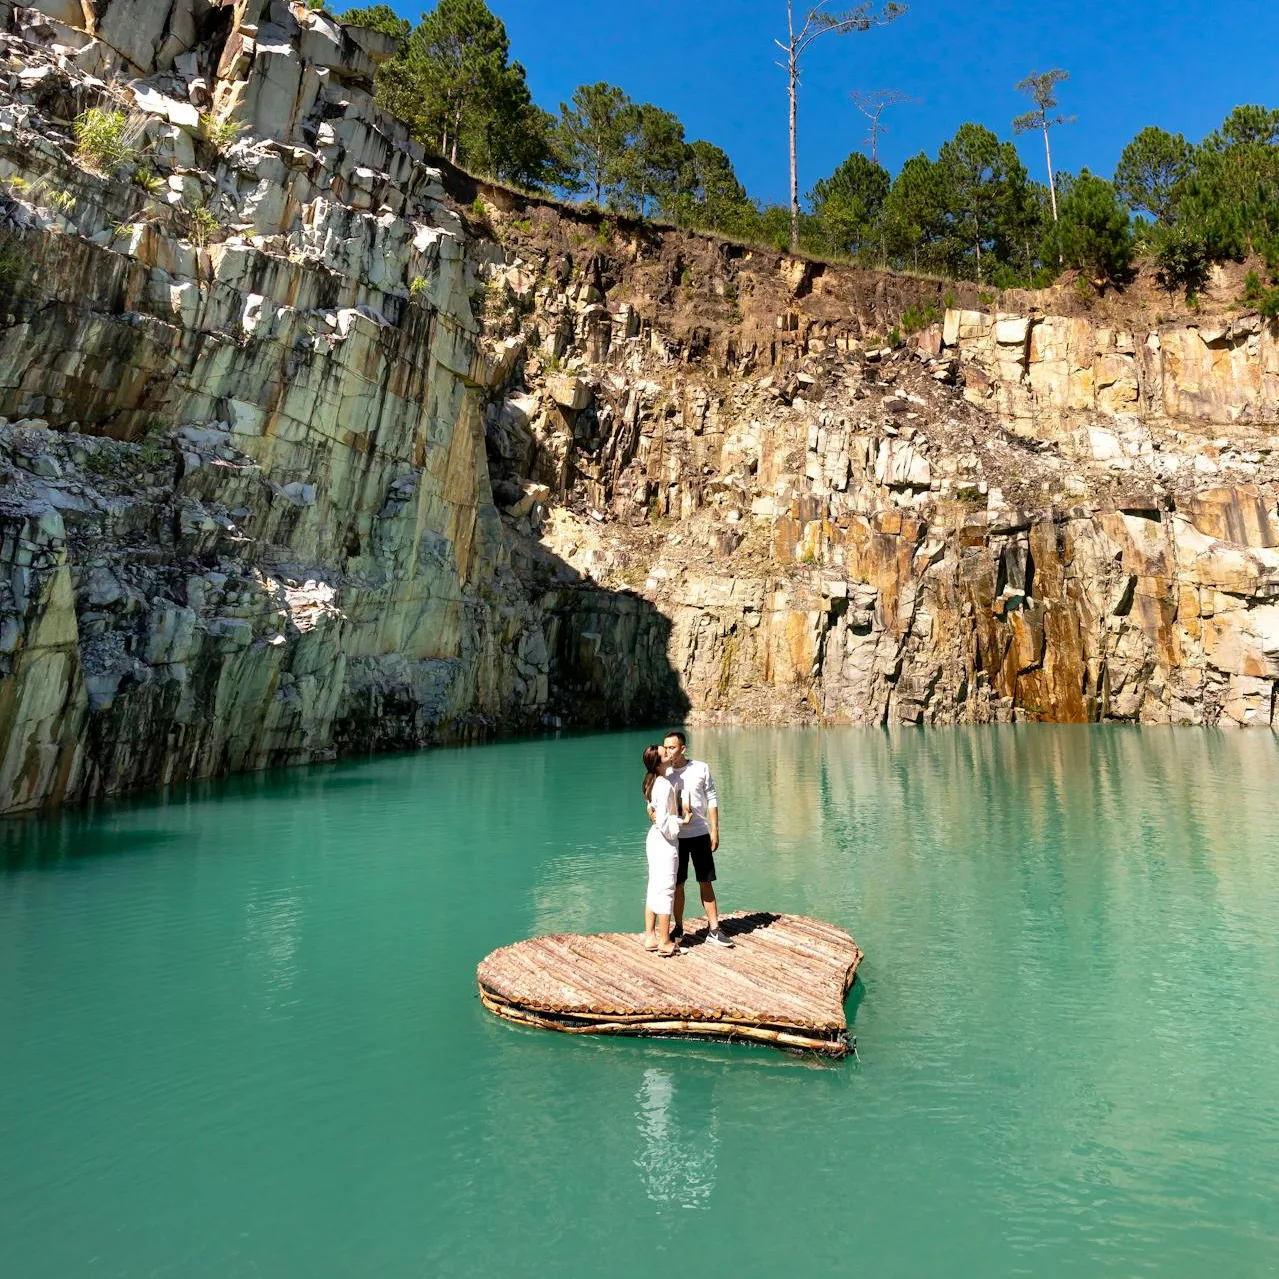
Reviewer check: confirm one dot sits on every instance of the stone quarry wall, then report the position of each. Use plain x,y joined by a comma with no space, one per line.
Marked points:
1030,510
245,511
308,446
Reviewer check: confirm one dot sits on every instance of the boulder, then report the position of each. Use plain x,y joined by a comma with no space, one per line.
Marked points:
568,392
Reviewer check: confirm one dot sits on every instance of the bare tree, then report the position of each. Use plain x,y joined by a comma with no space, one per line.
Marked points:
872,105
1042,87
819,21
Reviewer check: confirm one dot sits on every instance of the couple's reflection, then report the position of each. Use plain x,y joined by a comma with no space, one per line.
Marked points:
677,1140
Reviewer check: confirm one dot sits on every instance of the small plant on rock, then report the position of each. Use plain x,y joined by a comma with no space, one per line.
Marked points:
149,181
63,201
221,135
154,451
15,261
916,318
107,140
203,225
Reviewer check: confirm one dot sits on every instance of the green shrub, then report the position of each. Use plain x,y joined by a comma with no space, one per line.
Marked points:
150,182
106,140
220,134
1092,232
916,318
203,225
1181,260
1264,298
15,261
63,201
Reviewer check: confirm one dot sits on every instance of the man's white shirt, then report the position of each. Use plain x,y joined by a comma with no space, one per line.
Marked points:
694,780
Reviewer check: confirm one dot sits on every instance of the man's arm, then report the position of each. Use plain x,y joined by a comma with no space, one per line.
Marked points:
712,810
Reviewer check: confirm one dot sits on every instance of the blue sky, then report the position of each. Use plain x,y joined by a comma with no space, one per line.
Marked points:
1181,65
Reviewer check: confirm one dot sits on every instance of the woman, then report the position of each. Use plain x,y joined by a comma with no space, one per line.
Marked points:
662,847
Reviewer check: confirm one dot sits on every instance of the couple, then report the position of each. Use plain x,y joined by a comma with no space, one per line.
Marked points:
680,793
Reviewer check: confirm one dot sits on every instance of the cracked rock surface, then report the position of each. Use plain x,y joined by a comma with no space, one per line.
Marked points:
310,445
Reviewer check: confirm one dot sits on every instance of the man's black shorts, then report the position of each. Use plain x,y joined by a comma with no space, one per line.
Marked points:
698,847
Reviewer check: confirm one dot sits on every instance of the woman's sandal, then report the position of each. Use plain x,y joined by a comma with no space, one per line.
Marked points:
667,954
648,947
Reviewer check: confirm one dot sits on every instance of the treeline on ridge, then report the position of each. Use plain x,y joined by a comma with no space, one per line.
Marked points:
971,212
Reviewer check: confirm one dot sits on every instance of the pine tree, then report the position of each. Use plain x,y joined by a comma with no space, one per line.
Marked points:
913,218
1151,172
1042,88
818,21
378,17
457,90
846,206
596,130
650,170
709,195
1232,196
984,179
1093,231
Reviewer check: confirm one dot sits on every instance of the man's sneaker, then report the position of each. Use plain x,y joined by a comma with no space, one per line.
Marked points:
719,937
677,932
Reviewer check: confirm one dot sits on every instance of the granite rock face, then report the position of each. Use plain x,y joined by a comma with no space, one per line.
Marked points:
310,446
1012,516
245,509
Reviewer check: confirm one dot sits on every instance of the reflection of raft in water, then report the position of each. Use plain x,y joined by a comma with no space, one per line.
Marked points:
784,983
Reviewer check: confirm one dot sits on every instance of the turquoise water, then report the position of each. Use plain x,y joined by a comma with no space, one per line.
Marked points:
239,1034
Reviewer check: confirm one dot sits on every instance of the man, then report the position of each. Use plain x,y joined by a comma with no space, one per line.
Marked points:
699,838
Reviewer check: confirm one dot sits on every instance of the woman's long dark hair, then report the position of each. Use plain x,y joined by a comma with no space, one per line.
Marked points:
652,763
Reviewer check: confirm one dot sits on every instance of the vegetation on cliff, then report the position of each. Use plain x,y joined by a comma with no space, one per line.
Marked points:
973,211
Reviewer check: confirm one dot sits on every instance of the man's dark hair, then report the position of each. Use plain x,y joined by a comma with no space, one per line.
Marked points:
677,732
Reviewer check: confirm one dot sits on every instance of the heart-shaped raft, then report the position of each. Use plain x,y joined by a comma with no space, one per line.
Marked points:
783,982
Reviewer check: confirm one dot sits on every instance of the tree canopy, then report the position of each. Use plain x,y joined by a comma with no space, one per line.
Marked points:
972,211
1151,172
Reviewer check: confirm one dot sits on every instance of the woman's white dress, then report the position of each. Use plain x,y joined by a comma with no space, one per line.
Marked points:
662,848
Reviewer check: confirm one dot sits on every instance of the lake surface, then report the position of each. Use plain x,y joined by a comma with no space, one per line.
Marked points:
239,1034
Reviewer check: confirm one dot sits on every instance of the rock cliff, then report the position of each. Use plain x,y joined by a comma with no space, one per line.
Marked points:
1015,515
308,446
245,511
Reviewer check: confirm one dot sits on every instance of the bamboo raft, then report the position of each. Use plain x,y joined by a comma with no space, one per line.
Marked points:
784,983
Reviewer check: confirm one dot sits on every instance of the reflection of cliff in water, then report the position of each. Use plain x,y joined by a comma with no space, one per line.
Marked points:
1003,786
677,1157
973,860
